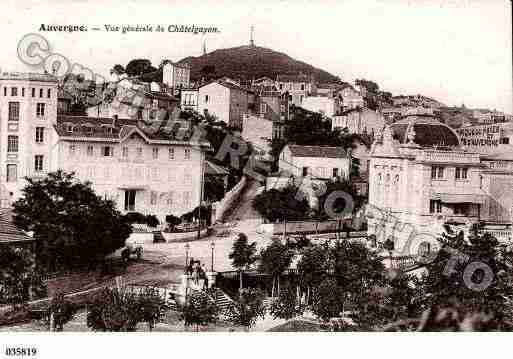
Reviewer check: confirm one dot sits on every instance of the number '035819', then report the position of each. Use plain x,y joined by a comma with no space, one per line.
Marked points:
20,351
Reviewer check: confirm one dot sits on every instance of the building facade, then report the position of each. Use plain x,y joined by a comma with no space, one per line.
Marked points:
328,106
28,108
321,162
420,174
142,173
176,76
298,87
350,98
359,121
142,170
224,99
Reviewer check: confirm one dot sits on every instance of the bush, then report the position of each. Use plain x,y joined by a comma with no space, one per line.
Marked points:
120,310
62,310
199,310
247,309
173,221
135,217
152,220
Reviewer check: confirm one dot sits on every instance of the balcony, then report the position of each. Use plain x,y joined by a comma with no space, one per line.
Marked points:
448,156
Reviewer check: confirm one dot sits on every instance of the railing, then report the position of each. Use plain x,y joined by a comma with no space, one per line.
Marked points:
500,235
443,156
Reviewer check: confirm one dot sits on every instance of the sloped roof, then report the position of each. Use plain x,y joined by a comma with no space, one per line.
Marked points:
294,78
111,130
8,231
213,169
317,151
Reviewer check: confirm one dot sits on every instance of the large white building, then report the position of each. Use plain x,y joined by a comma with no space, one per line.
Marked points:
225,99
420,174
176,76
28,109
146,172
322,162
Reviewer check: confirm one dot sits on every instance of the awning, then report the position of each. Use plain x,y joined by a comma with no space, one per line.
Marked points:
459,198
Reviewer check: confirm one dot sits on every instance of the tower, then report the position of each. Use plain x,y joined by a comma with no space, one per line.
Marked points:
251,42
204,47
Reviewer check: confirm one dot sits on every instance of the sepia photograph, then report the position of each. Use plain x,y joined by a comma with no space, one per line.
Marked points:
334,167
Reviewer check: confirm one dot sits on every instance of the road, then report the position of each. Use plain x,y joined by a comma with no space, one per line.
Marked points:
246,220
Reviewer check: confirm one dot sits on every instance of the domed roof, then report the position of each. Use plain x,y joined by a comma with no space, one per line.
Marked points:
428,131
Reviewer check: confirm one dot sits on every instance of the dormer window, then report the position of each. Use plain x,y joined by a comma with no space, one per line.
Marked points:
69,128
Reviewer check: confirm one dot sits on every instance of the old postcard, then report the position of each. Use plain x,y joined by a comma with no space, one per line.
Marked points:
237,166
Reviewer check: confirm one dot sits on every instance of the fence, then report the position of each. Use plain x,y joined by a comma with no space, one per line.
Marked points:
223,206
306,227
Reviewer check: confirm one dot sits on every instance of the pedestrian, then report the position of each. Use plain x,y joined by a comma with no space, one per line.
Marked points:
190,266
196,273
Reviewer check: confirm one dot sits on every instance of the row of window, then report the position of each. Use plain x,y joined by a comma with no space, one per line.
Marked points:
108,151
14,110
437,172
435,206
320,172
12,169
14,92
13,140
131,199
290,86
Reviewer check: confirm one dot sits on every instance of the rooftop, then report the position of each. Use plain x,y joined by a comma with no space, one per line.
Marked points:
317,151
114,130
9,233
27,76
427,131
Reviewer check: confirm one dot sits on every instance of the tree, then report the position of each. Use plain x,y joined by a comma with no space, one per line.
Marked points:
120,309
327,300
138,67
72,225
247,308
396,300
173,221
117,69
370,86
152,220
445,283
275,258
114,310
17,274
340,205
285,204
453,318
60,312
313,267
198,310
242,255
358,270
152,307
287,305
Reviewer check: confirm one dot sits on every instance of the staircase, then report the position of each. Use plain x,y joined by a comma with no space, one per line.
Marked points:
223,301
158,237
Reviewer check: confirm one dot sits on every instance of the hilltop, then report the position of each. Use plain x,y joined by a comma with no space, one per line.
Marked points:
251,62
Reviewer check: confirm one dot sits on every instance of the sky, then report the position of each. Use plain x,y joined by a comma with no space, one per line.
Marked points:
456,51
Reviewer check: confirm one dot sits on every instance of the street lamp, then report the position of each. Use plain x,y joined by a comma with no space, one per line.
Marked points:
187,247
212,245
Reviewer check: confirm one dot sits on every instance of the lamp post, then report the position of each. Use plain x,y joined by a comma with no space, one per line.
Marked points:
187,247
212,245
